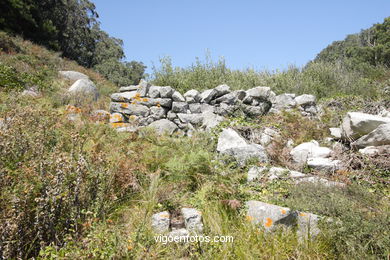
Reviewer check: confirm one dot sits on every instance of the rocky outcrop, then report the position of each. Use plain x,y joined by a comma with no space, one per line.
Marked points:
200,110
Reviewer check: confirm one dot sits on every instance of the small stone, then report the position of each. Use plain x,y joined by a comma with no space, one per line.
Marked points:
192,96
117,118
192,220
160,222
166,92
154,92
164,126
207,95
195,108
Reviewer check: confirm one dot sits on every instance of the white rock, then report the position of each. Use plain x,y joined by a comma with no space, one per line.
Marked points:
356,124
84,87
222,90
379,136
323,164
283,101
335,132
305,100
164,126
302,152
179,107
230,139
259,92
369,150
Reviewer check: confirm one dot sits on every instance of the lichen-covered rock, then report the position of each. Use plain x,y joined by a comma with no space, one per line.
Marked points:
128,88
117,118
192,220
124,96
379,136
130,109
72,75
268,215
160,222
158,112
164,126
84,87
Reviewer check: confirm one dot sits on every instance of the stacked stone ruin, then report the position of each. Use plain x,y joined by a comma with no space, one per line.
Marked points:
165,109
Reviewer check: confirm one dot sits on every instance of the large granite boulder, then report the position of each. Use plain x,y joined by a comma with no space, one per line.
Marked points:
84,88
378,137
72,75
356,124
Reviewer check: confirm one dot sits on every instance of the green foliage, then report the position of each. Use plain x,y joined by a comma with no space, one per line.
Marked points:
323,79
72,28
371,46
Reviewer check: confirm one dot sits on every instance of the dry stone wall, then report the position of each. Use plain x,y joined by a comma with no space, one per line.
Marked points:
165,109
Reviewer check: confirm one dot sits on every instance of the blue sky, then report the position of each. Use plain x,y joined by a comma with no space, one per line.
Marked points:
247,33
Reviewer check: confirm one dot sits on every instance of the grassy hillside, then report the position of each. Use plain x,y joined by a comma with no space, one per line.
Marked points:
79,189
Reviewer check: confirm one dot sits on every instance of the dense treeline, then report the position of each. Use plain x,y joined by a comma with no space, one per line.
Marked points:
72,27
371,46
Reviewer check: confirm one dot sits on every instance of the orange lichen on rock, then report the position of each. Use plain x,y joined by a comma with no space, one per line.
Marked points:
116,117
116,125
124,105
302,214
165,215
268,222
283,211
145,100
249,218
72,109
